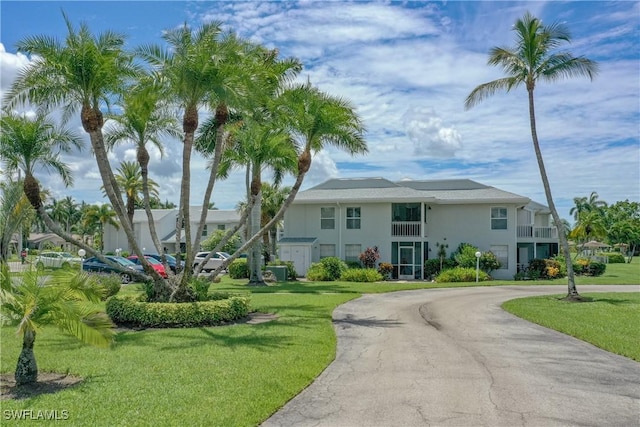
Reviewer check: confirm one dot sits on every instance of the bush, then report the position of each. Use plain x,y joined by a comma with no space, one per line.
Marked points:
369,257
488,262
239,269
111,283
200,287
317,273
361,275
595,269
334,267
385,269
465,256
615,258
128,312
461,274
545,269
353,264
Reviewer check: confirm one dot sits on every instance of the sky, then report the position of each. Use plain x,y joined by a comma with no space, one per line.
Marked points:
407,68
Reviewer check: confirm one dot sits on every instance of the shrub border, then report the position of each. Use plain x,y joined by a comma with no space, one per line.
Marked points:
127,312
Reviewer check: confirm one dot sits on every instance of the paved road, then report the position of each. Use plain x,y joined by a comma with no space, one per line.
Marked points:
453,357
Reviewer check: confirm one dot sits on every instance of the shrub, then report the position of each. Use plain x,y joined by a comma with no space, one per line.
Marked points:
111,283
385,269
200,287
545,269
465,256
353,264
128,312
333,266
361,275
616,258
317,273
239,269
461,274
369,257
488,262
595,269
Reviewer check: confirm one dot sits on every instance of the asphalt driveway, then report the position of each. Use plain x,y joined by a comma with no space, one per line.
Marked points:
453,357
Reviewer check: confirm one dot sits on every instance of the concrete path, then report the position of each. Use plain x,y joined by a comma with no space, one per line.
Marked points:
453,357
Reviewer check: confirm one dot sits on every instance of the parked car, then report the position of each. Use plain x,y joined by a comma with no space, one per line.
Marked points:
171,261
157,265
93,264
214,262
56,260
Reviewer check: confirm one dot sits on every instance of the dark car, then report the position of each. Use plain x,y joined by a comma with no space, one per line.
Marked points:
93,264
171,260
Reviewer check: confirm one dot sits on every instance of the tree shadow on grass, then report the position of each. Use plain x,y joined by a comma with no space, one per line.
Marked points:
47,383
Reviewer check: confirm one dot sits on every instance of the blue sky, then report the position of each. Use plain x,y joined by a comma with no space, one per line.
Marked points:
407,68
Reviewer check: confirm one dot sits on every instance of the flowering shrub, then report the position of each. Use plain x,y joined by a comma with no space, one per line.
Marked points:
369,257
385,269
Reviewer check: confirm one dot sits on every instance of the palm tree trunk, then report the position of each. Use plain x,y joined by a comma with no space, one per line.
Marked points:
27,368
255,268
572,290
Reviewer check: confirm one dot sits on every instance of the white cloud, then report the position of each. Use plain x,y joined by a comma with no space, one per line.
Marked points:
429,135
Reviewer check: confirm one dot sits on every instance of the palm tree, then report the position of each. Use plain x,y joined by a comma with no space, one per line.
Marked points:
583,204
129,179
191,69
14,210
146,118
34,144
273,199
65,299
101,215
314,120
81,74
534,58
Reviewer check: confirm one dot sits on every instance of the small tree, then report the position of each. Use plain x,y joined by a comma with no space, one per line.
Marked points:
65,299
369,257
216,237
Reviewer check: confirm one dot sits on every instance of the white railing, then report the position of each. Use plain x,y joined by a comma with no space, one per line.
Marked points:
537,232
406,229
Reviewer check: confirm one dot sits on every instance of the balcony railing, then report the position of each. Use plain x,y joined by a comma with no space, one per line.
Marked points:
406,228
537,232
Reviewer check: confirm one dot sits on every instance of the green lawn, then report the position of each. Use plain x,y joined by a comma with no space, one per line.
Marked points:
239,375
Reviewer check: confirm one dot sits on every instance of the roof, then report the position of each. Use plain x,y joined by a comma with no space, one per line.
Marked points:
454,191
308,240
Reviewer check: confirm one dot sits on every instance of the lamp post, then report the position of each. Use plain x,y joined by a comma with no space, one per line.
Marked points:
478,254
81,253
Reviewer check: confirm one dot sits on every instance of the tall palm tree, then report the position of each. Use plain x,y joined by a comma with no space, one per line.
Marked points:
273,198
14,210
535,58
146,118
101,215
83,74
66,299
34,144
584,204
190,67
314,120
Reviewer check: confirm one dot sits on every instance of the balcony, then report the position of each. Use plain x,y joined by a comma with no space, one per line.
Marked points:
406,229
537,232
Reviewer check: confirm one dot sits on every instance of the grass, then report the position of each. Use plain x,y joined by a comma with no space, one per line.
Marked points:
239,375
610,321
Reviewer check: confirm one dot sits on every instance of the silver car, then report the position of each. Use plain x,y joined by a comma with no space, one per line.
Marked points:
214,262
56,260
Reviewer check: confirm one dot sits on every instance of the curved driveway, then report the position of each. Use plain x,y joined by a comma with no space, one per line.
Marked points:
453,357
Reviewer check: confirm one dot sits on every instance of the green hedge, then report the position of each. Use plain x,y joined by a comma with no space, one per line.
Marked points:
239,269
460,274
361,275
128,312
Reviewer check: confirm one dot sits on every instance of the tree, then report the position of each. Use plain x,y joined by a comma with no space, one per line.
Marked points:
101,215
130,182
14,209
584,205
273,197
65,299
84,73
535,58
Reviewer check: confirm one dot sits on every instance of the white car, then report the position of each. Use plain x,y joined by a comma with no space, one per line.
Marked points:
214,262
56,260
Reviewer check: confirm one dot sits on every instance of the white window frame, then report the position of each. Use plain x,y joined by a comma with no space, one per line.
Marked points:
354,218
352,252
496,217
327,250
327,222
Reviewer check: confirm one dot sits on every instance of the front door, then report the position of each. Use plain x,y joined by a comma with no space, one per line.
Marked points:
405,266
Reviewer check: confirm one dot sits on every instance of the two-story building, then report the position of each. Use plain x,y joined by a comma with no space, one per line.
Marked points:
165,224
407,220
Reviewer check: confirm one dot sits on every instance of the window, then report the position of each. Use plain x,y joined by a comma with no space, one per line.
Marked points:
327,251
221,227
404,212
502,253
353,218
498,218
204,231
327,218
352,252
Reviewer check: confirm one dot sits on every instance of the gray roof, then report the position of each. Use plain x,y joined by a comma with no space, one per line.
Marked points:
454,191
308,240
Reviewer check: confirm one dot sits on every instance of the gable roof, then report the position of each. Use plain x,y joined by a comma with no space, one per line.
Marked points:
453,191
